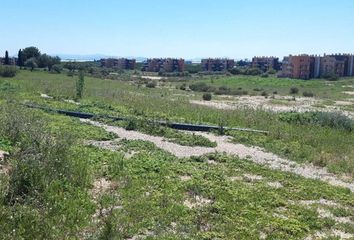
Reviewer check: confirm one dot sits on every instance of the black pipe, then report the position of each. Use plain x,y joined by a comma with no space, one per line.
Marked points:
174,125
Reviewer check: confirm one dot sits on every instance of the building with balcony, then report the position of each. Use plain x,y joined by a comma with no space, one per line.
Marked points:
163,65
120,63
217,64
266,63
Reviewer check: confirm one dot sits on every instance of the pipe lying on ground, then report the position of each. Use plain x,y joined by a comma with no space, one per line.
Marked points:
174,125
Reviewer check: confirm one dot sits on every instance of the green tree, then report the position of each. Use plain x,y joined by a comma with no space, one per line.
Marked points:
46,61
7,60
20,61
31,63
80,83
30,52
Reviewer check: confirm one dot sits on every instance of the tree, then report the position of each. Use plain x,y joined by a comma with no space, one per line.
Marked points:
30,52
47,61
80,83
31,63
7,60
53,61
57,68
20,61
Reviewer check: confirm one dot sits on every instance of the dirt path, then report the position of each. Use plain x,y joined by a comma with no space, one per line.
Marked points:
255,154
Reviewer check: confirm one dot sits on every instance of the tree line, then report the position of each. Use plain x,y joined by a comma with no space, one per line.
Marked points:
32,58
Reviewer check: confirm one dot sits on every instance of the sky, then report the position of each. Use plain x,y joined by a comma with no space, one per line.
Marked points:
178,28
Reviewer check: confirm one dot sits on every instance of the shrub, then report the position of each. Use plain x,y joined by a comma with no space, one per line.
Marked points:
80,83
40,157
264,94
57,68
152,84
235,71
308,94
183,87
324,119
331,76
294,90
334,120
131,124
201,87
272,71
238,92
207,96
223,90
265,75
253,71
8,71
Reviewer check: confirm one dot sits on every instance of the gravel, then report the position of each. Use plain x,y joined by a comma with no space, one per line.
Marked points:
255,154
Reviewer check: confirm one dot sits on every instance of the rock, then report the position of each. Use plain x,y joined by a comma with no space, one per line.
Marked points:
3,155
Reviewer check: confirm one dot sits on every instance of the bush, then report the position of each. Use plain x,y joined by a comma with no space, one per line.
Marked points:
207,96
334,120
331,76
40,157
264,94
253,71
80,83
57,68
223,90
272,71
131,125
235,71
183,87
265,75
324,119
8,71
294,90
238,92
201,87
152,84
308,94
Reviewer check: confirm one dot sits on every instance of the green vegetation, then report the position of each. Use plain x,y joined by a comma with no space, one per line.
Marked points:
51,190
7,71
172,135
207,96
80,83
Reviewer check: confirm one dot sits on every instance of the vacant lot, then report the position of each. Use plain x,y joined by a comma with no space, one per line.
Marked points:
138,180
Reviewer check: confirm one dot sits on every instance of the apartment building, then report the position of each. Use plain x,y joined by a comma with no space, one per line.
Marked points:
120,63
301,67
266,63
12,61
340,64
164,64
217,64
331,65
310,66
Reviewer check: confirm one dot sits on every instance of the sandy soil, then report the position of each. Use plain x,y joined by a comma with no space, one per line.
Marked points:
280,104
255,154
152,77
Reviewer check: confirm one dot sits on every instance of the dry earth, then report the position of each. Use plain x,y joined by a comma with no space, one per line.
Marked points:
255,154
278,104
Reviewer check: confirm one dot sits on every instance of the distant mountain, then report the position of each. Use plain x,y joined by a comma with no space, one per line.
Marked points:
91,57
75,57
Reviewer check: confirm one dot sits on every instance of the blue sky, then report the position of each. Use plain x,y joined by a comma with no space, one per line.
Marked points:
179,28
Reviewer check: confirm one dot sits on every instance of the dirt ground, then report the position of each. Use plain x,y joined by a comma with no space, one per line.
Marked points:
224,145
